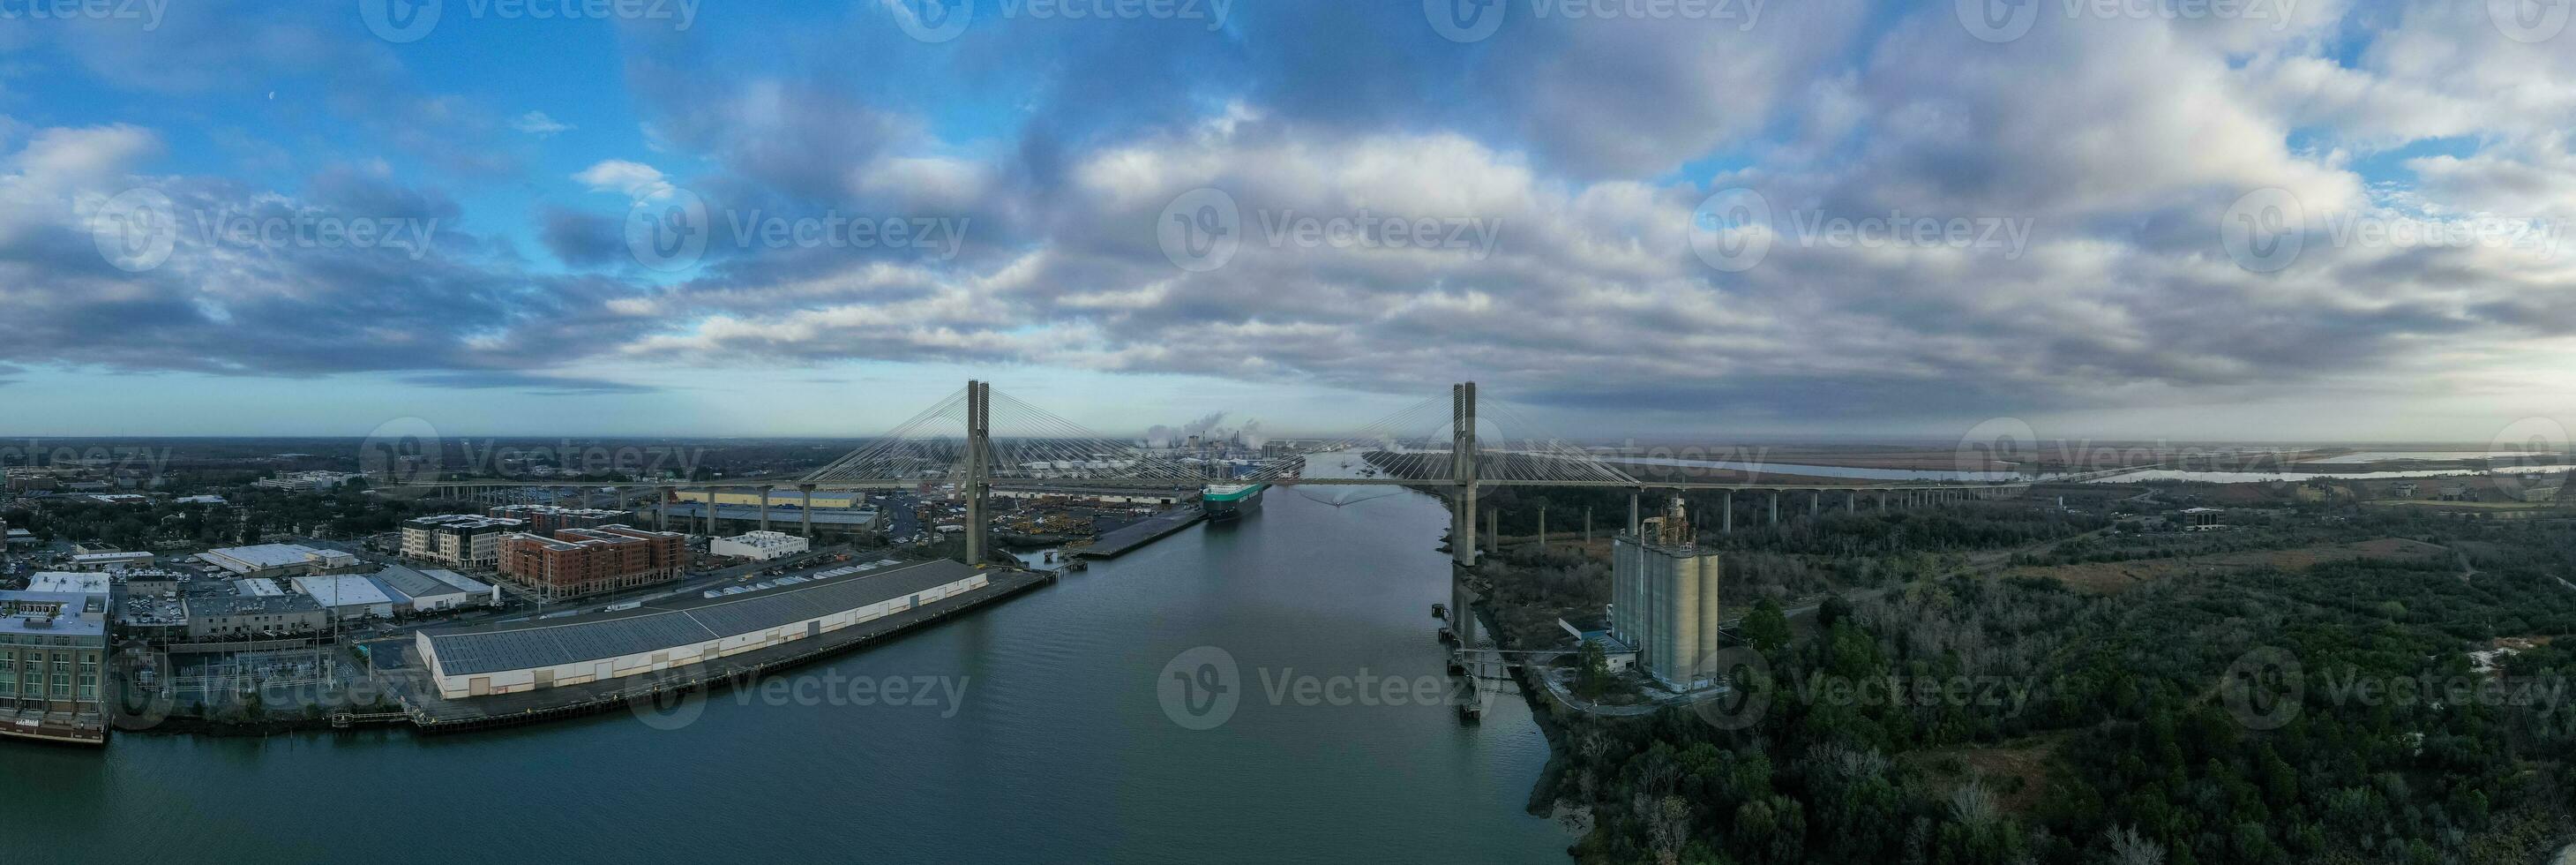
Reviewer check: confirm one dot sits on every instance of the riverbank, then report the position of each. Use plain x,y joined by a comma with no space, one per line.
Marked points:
398,666
1055,719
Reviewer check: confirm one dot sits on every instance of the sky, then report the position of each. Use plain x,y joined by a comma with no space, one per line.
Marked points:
2261,220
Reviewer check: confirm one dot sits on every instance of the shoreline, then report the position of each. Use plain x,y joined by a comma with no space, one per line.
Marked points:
417,719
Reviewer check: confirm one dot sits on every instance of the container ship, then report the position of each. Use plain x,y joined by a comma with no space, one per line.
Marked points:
1230,501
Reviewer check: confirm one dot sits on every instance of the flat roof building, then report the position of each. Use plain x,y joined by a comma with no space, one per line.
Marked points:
236,616
577,562
278,560
788,497
430,590
53,653
56,581
347,596
525,656
761,546
306,482
548,519
150,584
111,561
463,540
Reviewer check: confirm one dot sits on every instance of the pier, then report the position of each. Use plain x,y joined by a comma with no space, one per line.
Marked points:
1119,541
399,667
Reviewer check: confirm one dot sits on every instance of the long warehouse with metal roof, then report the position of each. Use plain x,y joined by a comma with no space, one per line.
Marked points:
523,656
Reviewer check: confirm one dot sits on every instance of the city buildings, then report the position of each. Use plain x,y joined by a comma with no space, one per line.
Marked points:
251,617
463,540
55,581
306,482
278,560
151,584
423,591
524,656
111,561
1663,598
778,498
583,561
1103,496
757,545
548,519
347,596
53,648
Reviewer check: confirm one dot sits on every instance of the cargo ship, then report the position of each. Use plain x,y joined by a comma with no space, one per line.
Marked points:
1230,501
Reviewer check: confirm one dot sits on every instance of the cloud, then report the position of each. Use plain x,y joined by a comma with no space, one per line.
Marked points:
1565,158
538,124
622,177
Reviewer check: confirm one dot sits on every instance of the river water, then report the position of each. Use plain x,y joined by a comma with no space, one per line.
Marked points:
1059,746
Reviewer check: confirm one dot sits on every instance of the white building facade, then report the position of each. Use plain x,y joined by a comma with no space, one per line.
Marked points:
488,660
761,546
463,540
1663,599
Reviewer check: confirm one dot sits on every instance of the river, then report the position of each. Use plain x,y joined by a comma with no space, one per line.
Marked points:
1058,748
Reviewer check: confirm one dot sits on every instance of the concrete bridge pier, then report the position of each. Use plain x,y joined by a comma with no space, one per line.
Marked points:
662,509
764,508
1775,507
1462,541
979,467
1815,503
807,490
1726,523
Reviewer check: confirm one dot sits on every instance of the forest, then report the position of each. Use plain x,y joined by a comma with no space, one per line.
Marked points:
1936,712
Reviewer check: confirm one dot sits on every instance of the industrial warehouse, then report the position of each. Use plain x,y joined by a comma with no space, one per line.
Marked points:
525,656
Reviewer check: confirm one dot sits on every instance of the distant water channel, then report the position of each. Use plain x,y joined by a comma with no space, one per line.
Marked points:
1060,749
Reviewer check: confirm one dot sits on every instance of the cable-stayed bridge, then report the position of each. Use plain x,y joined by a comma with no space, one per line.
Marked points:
976,438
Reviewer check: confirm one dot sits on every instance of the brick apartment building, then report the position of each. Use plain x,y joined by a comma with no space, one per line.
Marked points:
587,561
545,520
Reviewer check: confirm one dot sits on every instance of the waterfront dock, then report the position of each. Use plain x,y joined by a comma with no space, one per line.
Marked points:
1118,542
399,666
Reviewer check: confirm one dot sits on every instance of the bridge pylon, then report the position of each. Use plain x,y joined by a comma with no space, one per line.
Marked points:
979,468
1462,531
